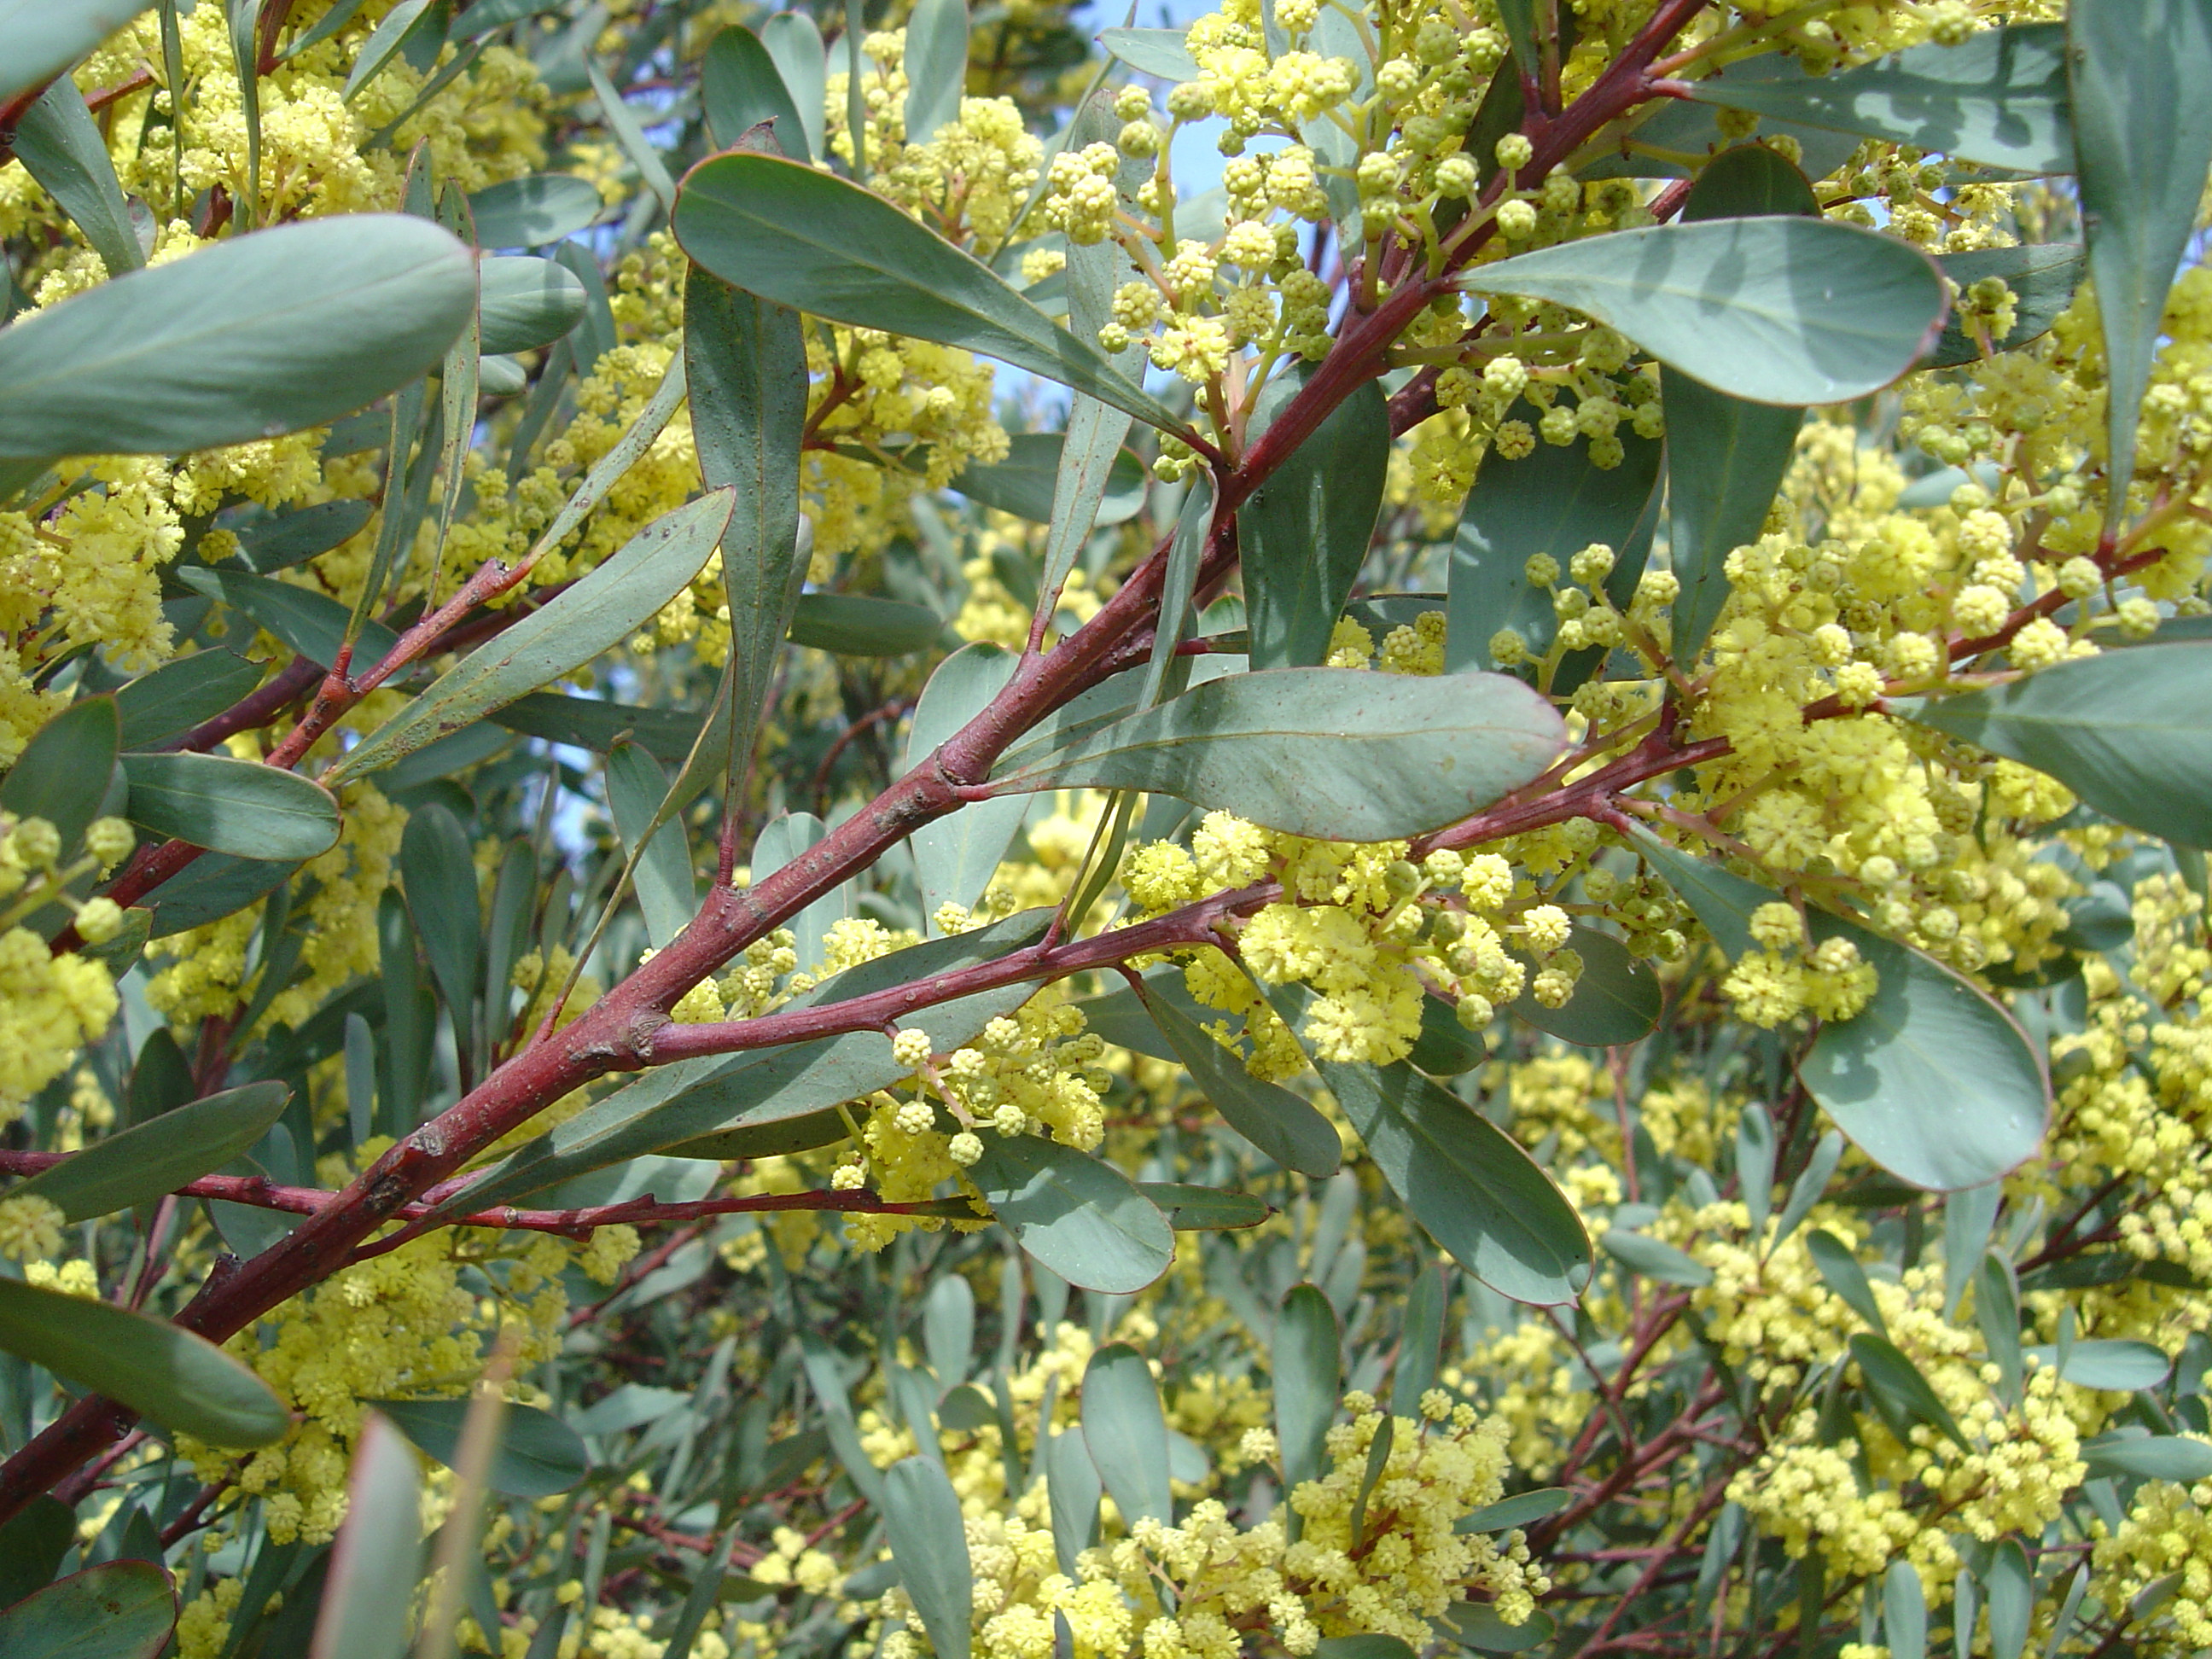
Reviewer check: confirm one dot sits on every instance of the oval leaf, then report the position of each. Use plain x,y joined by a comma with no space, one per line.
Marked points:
239,807
1655,1258
2154,1457
955,856
534,210
179,696
1779,311
39,38
2126,731
158,1369
1126,1432
854,625
1998,97
117,1610
1519,1510
598,612
1616,1000
1307,1373
1480,1196
1204,1209
2143,136
161,1155
1932,1080
1304,532
2042,278
2109,1363
537,1454
263,334
1281,1125
369,1597
929,1543
526,302
820,245
1080,1216
1330,753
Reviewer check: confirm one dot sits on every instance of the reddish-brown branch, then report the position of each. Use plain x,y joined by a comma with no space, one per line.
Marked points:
263,1194
622,1028
253,711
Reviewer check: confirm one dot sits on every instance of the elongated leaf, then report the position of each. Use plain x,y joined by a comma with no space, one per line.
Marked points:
240,807
2142,134
667,734
1721,902
538,1453
2108,1363
2125,731
117,1610
259,335
1840,1271
1518,1511
1616,1000
2155,1458
210,888
1779,311
1655,1258
1999,97
1331,753
955,856
1479,1627
1725,461
855,625
693,1098
1904,1612
1811,1184
1025,483
1281,1125
818,244
2011,1586
1152,51
601,610
1077,1214
1480,1196
369,1593
158,1369
1203,1209
1726,455
936,69
39,38
532,210
1420,1341
1553,501
1896,1380
161,1155
929,1543
60,146
795,44
1126,1433
1933,1080
284,540
439,871
739,88
311,624
526,302
32,1544
1304,532
179,696
64,772
2042,278
667,891
1072,1488
1307,1373
827,1378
